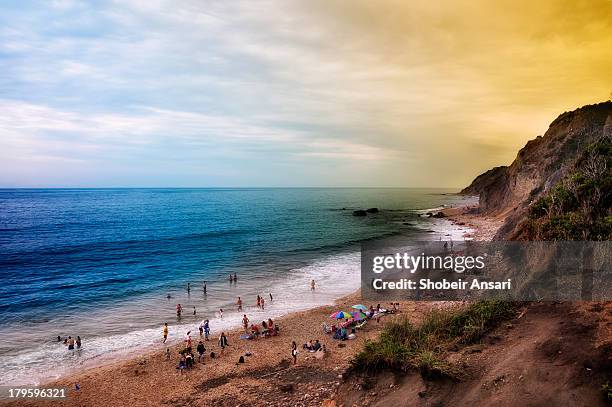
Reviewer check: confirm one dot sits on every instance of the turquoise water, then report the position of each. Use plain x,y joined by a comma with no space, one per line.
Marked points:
100,263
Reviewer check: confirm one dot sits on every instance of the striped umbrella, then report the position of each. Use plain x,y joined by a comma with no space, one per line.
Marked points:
340,315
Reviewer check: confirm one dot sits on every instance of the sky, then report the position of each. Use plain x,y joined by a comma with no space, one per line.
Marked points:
155,93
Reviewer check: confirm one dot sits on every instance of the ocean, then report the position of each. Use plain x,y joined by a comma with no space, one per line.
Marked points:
101,263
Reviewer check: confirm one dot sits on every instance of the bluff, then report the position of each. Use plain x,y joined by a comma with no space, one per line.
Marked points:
558,187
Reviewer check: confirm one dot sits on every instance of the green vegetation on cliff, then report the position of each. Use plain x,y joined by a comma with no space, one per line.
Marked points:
579,206
403,346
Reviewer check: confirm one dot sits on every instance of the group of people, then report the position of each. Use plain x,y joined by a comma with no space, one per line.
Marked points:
71,342
187,358
179,310
253,331
261,303
311,346
341,330
233,278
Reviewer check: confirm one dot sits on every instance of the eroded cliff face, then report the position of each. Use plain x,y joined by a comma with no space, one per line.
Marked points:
508,191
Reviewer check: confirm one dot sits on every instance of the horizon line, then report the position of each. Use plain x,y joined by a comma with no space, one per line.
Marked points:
233,187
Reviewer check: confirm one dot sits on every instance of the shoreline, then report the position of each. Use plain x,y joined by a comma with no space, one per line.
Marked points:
147,377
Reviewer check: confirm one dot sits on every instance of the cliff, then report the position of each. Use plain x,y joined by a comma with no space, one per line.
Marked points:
575,147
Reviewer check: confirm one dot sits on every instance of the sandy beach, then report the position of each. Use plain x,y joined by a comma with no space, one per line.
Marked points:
151,379
267,378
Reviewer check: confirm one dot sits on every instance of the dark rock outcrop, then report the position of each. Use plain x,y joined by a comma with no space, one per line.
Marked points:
372,210
485,180
360,212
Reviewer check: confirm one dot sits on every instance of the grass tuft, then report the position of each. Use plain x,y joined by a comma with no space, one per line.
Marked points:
403,346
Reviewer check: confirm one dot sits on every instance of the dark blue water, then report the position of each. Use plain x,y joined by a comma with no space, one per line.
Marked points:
69,255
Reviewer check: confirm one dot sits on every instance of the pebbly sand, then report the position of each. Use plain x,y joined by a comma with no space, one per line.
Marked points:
267,378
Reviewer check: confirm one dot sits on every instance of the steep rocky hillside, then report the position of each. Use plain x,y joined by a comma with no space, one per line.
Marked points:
485,180
575,144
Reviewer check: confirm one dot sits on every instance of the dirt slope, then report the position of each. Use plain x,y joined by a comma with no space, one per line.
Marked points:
552,355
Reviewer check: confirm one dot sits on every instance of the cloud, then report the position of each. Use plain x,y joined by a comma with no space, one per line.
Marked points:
409,93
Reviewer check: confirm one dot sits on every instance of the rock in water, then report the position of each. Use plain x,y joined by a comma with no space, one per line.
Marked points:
360,212
372,210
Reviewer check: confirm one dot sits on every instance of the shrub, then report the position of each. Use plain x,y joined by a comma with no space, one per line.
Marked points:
403,346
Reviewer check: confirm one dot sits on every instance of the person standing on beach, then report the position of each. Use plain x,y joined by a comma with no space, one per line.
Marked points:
223,342
204,287
245,323
312,285
231,278
78,342
206,330
262,303
201,328
201,349
165,332
239,303
188,341
179,310
194,311
258,301
221,313
294,352
70,343
188,288
271,299
235,278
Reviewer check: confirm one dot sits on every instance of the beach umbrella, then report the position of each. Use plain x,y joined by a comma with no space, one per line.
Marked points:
340,315
358,315
360,306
